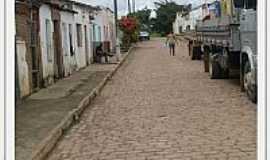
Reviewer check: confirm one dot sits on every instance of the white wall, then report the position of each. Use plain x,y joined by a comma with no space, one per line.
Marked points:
47,64
70,62
82,18
105,18
179,21
23,71
111,28
189,19
98,22
174,27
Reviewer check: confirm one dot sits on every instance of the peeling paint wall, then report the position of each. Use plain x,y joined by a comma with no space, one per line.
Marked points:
47,60
67,28
41,65
83,54
23,71
28,54
105,20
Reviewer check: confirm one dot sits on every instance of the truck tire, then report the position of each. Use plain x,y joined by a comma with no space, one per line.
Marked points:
250,89
195,53
215,70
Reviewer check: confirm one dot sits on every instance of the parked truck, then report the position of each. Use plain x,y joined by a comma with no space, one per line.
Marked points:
229,43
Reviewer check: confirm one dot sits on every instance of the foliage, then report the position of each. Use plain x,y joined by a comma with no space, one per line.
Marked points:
129,26
143,17
166,14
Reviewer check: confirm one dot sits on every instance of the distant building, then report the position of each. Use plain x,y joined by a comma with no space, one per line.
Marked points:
187,21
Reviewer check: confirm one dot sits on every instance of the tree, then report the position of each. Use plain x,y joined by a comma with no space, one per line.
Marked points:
143,17
166,14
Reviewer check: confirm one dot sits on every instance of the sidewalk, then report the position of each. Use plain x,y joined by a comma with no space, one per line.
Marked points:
43,117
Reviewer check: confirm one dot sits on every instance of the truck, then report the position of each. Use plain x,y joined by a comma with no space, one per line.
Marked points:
229,43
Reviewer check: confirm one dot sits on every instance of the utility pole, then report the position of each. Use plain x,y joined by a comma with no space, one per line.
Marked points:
117,46
134,6
129,7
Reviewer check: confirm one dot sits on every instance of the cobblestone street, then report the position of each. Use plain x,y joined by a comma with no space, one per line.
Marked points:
160,107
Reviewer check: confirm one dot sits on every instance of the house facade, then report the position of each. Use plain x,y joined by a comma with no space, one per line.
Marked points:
68,37
104,29
28,52
83,47
47,44
187,21
55,38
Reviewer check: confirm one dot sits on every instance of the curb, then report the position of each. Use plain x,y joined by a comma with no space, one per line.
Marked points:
47,145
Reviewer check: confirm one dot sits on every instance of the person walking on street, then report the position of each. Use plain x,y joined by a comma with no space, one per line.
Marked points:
172,40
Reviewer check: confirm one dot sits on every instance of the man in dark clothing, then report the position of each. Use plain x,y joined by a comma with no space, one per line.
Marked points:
100,52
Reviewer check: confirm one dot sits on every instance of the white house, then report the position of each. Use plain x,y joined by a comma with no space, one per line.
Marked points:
46,43
103,26
64,33
103,30
182,23
65,38
68,42
82,28
187,21
178,23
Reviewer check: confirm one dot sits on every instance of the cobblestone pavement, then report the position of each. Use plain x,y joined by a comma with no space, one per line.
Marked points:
164,108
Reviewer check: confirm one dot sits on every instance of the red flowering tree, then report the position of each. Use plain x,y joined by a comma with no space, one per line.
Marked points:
130,26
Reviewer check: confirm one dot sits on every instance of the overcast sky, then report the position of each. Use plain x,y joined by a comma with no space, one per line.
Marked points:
122,4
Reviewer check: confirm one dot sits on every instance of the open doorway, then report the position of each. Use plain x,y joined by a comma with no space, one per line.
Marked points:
86,45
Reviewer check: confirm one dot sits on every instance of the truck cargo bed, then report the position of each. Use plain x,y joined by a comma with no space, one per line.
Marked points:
220,32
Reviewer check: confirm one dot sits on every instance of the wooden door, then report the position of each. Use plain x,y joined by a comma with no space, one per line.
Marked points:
58,57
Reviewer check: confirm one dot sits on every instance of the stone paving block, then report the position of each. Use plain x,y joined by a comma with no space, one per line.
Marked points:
160,107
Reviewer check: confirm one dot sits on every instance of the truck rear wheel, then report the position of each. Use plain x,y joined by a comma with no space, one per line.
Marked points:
249,88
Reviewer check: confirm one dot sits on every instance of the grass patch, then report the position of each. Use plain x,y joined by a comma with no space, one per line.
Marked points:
156,35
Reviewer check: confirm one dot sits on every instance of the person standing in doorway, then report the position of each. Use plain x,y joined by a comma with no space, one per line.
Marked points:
171,40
